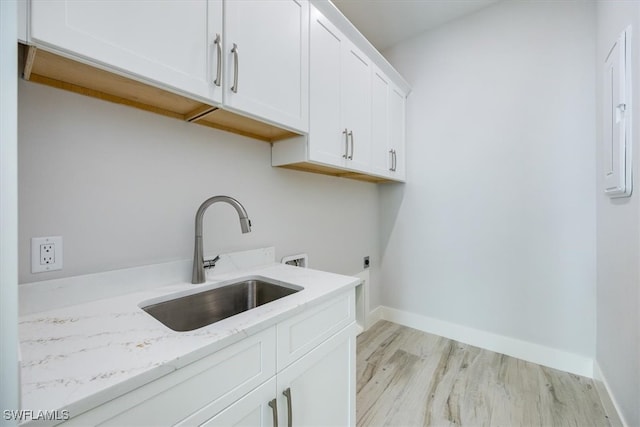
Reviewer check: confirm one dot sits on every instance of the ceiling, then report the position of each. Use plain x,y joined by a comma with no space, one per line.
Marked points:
387,22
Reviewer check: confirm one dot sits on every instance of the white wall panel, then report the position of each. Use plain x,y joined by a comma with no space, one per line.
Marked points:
122,187
495,228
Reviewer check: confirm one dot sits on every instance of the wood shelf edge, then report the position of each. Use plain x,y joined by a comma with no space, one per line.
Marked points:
328,170
51,69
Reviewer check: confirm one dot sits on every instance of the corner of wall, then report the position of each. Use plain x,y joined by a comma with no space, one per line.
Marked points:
611,408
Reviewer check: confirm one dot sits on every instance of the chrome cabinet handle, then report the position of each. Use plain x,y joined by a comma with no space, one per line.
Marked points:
392,160
345,132
274,406
287,393
234,50
351,155
395,160
218,44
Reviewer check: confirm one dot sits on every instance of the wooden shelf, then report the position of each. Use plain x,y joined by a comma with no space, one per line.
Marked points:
54,70
327,170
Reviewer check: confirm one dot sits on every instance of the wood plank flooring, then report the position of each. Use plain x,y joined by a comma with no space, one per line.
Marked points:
408,378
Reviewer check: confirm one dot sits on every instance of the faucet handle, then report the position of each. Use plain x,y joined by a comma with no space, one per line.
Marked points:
210,263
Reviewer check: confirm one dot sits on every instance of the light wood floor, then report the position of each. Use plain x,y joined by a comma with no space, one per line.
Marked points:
408,378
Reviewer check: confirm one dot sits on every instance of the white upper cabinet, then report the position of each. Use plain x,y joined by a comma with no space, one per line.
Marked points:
397,135
267,64
356,106
252,59
278,70
356,124
388,127
169,42
381,155
340,98
327,136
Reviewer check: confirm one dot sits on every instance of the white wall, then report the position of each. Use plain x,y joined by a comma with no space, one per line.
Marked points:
495,229
618,236
122,187
9,397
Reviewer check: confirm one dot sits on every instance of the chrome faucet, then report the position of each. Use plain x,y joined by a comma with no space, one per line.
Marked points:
199,263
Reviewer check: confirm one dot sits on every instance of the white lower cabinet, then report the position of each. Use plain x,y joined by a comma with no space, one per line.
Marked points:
311,355
321,385
253,410
317,390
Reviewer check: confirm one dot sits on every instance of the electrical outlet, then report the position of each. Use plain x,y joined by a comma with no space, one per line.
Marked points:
46,254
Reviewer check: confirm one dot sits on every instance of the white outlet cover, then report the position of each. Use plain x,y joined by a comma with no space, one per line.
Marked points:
36,242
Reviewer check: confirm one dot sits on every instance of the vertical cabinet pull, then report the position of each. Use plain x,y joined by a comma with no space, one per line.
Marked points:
394,160
287,394
274,407
218,44
345,132
234,50
351,155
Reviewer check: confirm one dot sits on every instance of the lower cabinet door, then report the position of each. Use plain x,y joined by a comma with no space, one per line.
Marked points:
320,385
252,410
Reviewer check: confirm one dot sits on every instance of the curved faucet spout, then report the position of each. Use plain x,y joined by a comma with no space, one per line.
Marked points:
198,257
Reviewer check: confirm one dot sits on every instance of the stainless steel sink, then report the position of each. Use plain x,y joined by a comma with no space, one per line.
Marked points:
200,309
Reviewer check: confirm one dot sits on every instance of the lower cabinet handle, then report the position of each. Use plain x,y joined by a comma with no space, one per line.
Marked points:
274,406
351,135
345,132
287,393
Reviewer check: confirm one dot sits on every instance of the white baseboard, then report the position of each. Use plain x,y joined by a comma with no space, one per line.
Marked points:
542,355
609,404
375,315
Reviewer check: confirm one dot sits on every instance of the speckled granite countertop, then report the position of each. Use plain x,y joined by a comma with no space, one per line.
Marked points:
78,357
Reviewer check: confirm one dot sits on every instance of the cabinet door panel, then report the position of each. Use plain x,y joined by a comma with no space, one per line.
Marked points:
327,140
397,136
272,43
381,159
322,384
253,410
302,333
356,104
169,42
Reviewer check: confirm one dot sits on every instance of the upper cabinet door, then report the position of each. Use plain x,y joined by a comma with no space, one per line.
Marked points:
267,64
381,154
397,136
328,141
172,42
356,104
388,127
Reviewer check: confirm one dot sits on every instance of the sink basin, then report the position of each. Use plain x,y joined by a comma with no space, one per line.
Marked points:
203,308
